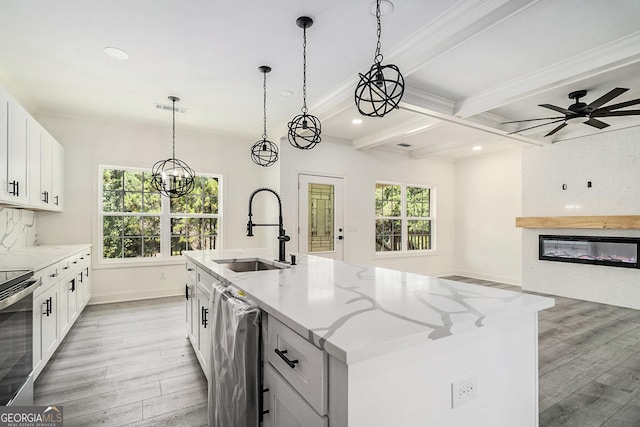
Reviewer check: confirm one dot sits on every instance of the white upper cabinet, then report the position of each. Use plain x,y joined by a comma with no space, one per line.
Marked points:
14,145
31,160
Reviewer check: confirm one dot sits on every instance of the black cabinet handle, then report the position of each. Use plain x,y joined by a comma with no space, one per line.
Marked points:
73,285
205,321
65,268
81,274
186,291
56,202
47,306
45,196
86,274
54,275
291,363
15,188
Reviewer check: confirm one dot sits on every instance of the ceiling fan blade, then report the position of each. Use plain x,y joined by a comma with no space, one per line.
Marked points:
620,105
616,113
537,126
554,108
613,93
532,120
556,129
596,123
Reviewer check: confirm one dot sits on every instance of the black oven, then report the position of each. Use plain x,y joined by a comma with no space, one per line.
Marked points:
16,337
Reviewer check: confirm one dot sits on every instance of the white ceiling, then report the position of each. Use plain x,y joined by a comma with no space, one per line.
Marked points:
468,65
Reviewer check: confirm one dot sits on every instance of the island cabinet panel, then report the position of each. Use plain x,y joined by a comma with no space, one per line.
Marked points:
301,363
284,406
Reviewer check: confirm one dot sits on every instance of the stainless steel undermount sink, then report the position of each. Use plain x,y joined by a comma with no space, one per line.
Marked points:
251,264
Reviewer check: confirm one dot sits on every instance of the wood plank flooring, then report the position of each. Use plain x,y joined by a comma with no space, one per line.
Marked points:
129,364
588,363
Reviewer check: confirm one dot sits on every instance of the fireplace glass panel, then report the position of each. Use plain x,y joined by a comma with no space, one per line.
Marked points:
612,251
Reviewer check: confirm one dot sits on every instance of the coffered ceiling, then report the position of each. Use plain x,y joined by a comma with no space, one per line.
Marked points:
468,65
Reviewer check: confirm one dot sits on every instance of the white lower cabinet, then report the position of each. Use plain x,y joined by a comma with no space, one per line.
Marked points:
204,332
284,407
197,317
64,291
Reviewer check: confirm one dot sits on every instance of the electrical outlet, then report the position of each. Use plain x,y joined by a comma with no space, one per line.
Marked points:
464,390
162,275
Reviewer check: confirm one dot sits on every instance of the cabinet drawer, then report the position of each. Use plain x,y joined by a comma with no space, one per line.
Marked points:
285,406
48,274
301,363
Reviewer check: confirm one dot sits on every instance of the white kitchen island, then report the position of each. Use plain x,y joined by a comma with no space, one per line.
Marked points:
378,347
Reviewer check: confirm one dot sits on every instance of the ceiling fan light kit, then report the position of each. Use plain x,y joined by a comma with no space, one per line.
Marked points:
172,177
264,152
379,91
304,129
580,112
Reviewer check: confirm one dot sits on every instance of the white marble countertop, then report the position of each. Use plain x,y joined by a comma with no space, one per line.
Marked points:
357,312
37,257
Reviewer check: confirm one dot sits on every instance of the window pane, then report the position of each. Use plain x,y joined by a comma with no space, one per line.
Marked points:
133,181
419,237
112,179
321,217
418,202
112,201
151,226
132,226
151,202
151,247
388,200
132,202
388,235
210,205
112,226
112,248
132,247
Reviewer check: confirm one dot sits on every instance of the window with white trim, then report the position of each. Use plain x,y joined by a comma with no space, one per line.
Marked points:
137,223
404,218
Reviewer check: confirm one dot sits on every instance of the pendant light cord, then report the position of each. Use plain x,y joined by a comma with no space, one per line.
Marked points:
304,70
378,56
174,129
264,106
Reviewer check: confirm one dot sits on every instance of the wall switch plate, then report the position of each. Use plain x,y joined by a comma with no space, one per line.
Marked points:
464,390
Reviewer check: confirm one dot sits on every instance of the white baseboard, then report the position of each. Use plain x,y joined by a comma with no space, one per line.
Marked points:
501,279
133,296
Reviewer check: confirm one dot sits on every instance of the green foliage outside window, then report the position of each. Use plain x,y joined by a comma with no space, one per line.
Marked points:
132,216
403,218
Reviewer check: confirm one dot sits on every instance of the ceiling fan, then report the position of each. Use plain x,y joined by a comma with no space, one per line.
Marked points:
587,114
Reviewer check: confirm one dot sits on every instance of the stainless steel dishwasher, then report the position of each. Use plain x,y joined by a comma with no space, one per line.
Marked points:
235,393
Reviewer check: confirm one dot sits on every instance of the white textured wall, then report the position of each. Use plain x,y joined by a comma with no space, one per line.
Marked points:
488,198
611,161
89,143
361,170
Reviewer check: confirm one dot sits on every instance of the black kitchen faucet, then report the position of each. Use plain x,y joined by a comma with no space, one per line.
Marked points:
282,236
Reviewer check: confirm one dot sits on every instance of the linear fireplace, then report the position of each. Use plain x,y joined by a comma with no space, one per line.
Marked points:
611,251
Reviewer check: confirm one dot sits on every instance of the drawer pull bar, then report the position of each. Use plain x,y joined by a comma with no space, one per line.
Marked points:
291,363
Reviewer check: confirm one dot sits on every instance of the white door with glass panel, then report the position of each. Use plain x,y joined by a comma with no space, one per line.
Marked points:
320,216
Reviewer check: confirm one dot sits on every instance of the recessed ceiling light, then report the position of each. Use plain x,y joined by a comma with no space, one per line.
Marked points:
356,121
286,93
115,53
386,7
477,148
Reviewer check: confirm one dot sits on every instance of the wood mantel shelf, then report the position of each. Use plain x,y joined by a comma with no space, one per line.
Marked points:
605,222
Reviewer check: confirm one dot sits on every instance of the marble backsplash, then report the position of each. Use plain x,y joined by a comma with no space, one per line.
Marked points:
17,229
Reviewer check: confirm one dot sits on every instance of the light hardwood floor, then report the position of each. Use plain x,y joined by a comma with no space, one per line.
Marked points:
129,364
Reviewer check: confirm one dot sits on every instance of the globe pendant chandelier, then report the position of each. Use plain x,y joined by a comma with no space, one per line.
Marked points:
304,129
264,152
380,90
172,177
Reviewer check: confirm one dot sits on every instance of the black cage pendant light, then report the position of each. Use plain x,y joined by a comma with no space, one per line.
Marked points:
380,90
304,129
264,152
172,177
